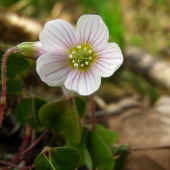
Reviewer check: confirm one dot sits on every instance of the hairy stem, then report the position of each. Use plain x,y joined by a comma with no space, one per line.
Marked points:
35,143
93,112
3,96
15,166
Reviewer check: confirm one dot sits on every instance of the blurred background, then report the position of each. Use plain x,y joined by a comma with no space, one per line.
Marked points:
135,101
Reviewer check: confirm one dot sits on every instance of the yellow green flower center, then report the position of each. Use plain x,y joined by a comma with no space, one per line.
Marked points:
81,57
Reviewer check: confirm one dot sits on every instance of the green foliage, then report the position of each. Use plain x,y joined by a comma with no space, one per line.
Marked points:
37,104
72,127
80,103
97,149
14,86
24,111
107,164
85,158
122,151
27,111
16,66
61,115
52,115
108,136
57,159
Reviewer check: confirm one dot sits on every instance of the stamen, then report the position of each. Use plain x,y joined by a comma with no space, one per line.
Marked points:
79,46
90,58
75,65
71,56
86,63
90,51
73,61
73,52
82,65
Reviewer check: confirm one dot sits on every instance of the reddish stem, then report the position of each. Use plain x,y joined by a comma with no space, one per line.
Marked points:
26,140
93,112
3,96
15,166
35,143
150,148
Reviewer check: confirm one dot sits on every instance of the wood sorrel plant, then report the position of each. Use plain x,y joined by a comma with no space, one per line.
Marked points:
76,59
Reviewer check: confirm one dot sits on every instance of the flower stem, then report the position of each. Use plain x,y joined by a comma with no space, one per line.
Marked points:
150,148
3,96
15,166
93,112
35,143
26,140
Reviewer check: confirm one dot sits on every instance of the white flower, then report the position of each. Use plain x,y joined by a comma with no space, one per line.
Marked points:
78,59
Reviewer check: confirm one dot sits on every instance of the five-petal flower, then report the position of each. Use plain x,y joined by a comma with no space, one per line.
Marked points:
78,59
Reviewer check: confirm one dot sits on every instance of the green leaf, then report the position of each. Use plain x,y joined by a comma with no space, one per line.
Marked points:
16,66
57,159
72,126
108,136
122,151
107,164
85,158
52,115
80,103
37,104
14,86
61,115
64,158
24,111
42,163
97,149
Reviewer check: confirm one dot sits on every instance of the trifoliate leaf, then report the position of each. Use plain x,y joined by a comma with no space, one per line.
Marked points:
57,159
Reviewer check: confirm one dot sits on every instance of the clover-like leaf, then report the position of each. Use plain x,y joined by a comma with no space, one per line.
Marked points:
108,164
85,158
80,103
16,66
108,136
37,104
24,111
97,149
57,159
61,115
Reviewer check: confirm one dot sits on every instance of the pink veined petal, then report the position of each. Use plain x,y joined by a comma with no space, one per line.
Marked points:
39,49
58,35
83,82
109,59
53,68
92,30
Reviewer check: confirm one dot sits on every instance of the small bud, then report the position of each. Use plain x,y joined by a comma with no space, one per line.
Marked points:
73,61
90,58
71,56
82,65
73,52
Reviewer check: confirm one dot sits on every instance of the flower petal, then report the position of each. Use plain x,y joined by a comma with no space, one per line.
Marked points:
58,35
109,59
39,50
53,68
92,30
83,82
